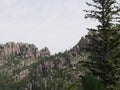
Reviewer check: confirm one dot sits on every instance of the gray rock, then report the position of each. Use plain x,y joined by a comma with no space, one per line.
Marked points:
22,50
44,52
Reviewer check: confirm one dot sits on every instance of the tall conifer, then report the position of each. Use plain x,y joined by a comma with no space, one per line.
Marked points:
105,42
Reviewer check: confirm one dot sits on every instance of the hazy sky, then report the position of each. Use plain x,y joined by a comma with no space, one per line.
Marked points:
56,24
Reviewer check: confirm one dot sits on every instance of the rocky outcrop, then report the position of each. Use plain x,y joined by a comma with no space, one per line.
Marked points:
21,75
44,52
21,62
82,44
16,58
21,50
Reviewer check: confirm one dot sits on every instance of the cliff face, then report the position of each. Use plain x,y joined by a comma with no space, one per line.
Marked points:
21,50
16,58
81,45
24,62
30,51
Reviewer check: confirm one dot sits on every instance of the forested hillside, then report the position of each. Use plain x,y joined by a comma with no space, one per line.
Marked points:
92,64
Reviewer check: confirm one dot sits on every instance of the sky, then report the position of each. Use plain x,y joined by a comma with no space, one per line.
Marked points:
56,24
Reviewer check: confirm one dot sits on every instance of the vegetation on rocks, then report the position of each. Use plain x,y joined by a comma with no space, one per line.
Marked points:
92,64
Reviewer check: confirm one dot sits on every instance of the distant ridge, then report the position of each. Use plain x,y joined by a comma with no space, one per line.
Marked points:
22,50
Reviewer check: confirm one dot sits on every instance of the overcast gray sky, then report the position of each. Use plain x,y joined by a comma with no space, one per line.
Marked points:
56,24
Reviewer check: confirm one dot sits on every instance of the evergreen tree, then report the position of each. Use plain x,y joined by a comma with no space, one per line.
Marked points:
89,82
104,43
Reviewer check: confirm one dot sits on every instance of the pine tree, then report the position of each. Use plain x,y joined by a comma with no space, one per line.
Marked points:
89,82
104,44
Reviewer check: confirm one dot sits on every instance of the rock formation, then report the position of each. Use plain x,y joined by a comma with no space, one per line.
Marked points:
22,50
82,44
15,58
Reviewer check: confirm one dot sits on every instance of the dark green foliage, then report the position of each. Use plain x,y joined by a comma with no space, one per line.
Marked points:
104,43
91,83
